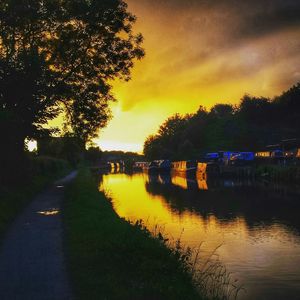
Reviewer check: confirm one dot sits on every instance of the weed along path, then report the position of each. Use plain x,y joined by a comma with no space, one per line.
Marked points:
31,257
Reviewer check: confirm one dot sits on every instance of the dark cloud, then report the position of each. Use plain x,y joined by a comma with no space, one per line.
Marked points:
236,19
259,18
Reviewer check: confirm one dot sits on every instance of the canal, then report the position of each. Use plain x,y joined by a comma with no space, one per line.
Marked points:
254,226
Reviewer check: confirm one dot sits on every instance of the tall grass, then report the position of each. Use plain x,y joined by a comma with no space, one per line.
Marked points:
211,278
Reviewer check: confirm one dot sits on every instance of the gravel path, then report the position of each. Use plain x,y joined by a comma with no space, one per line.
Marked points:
31,258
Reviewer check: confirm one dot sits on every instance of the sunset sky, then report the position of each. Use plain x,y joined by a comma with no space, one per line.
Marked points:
202,52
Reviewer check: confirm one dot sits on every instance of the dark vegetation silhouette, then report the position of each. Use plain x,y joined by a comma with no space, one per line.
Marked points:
60,56
95,157
249,126
68,148
121,155
127,158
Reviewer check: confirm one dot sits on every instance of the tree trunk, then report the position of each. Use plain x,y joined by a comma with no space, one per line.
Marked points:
12,158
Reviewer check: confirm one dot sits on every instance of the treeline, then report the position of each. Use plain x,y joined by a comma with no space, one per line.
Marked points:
249,126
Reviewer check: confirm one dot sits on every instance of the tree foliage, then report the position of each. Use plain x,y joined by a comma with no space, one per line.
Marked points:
165,141
251,125
62,55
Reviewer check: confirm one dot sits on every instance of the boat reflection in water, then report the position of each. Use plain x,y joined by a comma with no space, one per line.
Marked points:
199,182
257,224
116,167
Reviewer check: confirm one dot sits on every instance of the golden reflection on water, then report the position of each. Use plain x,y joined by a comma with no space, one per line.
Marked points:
180,181
132,201
258,255
201,179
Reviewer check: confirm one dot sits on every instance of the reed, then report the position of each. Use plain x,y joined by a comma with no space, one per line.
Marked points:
210,276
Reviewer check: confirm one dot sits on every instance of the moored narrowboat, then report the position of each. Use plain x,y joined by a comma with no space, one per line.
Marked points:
140,165
242,158
188,167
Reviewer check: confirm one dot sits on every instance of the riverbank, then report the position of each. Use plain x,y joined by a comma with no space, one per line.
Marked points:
15,197
109,258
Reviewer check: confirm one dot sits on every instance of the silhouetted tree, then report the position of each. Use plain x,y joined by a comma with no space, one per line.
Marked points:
153,148
222,110
61,55
195,128
165,143
186,150
287,111
93,154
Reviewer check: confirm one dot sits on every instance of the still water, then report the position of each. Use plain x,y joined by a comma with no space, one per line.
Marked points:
256,224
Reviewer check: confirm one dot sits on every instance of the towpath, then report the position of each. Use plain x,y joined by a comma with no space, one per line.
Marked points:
31,257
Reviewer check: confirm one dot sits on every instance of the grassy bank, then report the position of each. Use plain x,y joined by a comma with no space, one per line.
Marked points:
14,197
109,258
